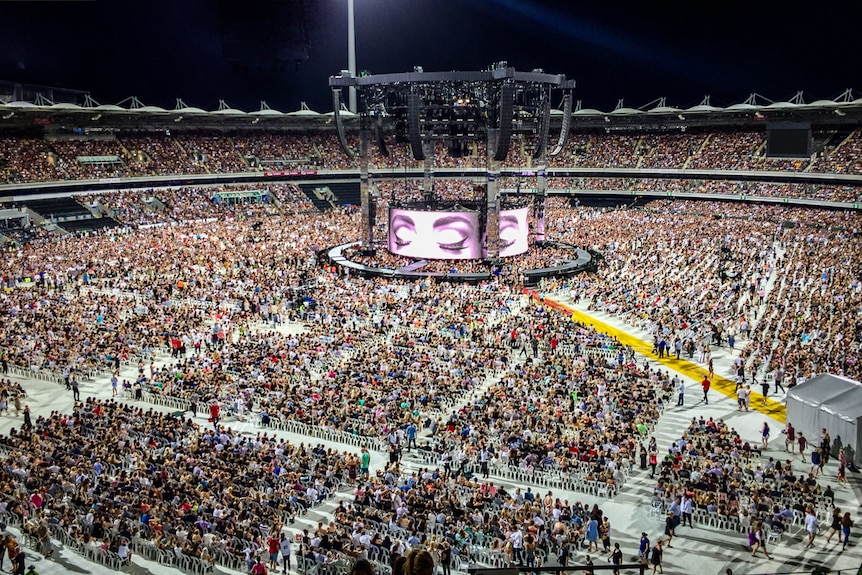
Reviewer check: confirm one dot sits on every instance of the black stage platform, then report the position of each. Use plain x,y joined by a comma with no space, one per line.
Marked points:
582,261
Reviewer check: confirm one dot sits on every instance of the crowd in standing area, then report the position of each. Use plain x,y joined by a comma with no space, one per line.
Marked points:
499,383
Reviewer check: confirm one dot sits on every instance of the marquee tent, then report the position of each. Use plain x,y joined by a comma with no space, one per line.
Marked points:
831,402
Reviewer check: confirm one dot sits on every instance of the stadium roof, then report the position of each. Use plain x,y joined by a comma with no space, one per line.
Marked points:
132,111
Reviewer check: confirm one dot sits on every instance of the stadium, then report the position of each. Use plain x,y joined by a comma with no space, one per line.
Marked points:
471,321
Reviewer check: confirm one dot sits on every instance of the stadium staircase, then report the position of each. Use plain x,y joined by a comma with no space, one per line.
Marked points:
699,151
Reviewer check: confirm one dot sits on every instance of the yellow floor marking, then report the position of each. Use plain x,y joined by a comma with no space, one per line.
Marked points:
770,407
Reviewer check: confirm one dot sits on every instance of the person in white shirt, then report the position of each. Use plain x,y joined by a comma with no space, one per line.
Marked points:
810,526
123,551
285,545
516,538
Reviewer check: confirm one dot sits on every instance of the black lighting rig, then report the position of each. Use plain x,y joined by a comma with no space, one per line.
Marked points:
455,108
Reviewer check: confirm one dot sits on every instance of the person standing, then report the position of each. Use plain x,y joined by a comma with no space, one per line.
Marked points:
285,547
816,462
825,446
653,462
18,564
842,467
764,435
215,410
740,396
446,558
616,558
484,457
592,534
411,435
779,376
835,526
273,547
562,557
803,443
655,557
687,508
364,463
669,524
705,384
76,391
28,423
810,525
643,550
846,524
764,390
790,438
681,389
759,540
516,538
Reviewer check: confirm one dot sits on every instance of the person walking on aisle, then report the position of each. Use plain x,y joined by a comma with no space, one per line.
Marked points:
759,540
790,438
846,524
811,525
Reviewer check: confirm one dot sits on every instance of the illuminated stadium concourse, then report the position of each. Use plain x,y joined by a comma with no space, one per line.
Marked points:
475,325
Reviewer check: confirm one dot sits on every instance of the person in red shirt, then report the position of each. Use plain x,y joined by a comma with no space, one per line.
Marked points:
259,568
214,413
273,545
705,385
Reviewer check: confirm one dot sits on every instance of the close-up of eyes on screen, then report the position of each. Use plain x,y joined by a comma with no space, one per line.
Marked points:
513,232
452,235
435,235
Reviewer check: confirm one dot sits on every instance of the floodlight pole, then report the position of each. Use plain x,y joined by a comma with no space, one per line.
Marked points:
351,54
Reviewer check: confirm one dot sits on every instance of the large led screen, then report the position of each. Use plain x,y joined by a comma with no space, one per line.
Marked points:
453,235
513,232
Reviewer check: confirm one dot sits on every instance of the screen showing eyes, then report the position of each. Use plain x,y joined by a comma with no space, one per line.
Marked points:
453,235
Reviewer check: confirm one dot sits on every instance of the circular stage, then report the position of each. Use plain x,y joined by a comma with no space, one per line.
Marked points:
411,269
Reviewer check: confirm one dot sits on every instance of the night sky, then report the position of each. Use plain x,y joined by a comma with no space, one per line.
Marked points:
283,51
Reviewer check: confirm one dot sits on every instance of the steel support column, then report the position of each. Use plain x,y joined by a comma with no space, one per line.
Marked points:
366,201
492,196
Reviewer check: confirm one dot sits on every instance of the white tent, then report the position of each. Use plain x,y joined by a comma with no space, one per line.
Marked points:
831,402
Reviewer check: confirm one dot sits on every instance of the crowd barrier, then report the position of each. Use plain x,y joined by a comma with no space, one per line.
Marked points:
335,435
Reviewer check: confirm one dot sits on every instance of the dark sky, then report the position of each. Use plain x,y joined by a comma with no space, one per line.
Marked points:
243,51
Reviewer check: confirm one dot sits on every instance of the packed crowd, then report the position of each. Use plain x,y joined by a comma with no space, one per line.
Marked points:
27,157
174,205
735,252
531,391
844,158
115,477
